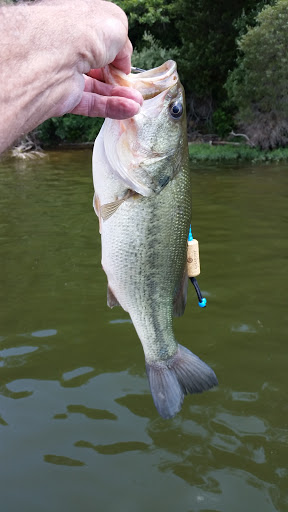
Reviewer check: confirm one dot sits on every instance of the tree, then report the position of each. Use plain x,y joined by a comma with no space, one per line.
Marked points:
200,35
259,84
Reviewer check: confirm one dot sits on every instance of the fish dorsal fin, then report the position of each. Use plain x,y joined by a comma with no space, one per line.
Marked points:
108,209
111,299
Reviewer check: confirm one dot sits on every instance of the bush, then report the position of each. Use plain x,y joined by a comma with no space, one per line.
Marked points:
259,84
152,53
69,128
222,122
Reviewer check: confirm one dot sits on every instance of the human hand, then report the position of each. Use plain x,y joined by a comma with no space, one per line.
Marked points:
100,99
103,100
55,59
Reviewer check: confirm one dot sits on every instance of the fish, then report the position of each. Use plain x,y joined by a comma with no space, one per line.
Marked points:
143,202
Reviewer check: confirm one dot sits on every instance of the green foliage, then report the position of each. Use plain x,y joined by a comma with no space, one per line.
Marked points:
247,19
146,12
200,35
155,16
203,31
222,121
152,53
259,84
207,153
208,44
69,128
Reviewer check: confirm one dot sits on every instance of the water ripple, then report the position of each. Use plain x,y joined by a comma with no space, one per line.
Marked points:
115,448
78,372
45,333
17,351
60,460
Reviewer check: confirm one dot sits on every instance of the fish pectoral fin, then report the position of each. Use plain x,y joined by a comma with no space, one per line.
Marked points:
180,298
108,209
111,299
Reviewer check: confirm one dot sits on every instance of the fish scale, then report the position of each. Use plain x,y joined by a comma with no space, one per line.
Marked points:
149,300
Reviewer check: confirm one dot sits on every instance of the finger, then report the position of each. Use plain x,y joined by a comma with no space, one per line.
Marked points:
115,107
123,59
96,87
116,41
96,73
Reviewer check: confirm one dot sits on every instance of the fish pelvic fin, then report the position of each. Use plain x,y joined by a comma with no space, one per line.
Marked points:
111,299
172,379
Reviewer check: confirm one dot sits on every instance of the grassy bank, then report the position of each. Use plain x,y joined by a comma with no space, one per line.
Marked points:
207,153
198,152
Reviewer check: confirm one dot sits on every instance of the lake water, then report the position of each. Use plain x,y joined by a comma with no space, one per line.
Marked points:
78,428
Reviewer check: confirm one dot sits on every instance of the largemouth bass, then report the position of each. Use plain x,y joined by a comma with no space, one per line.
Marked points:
143,201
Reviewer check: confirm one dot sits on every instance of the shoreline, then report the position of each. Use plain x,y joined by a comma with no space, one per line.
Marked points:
199,152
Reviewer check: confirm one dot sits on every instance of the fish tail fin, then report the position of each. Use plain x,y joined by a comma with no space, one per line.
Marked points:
172,379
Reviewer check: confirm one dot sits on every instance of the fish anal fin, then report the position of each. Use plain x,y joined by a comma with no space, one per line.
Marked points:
180,298
111,299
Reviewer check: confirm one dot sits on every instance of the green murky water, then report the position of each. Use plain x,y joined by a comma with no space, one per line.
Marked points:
78,429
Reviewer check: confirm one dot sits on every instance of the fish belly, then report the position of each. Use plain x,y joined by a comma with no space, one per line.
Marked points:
144,256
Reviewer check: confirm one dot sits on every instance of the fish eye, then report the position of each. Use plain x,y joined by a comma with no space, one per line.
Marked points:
176,109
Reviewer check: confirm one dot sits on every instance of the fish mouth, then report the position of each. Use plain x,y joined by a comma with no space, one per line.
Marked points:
149,83
157,75
155,81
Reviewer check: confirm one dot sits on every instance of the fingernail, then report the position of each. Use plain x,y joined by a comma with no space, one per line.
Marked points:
141,99
139,108
138,98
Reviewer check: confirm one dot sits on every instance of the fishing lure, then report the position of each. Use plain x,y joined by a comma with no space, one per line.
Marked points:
193,266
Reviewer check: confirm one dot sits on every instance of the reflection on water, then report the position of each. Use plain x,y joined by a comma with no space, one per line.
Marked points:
78,426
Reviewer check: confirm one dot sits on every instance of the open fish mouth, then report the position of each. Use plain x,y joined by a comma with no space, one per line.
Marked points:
149,83
157,75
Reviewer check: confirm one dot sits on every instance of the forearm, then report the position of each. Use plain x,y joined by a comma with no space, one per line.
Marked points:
32,62
44,50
